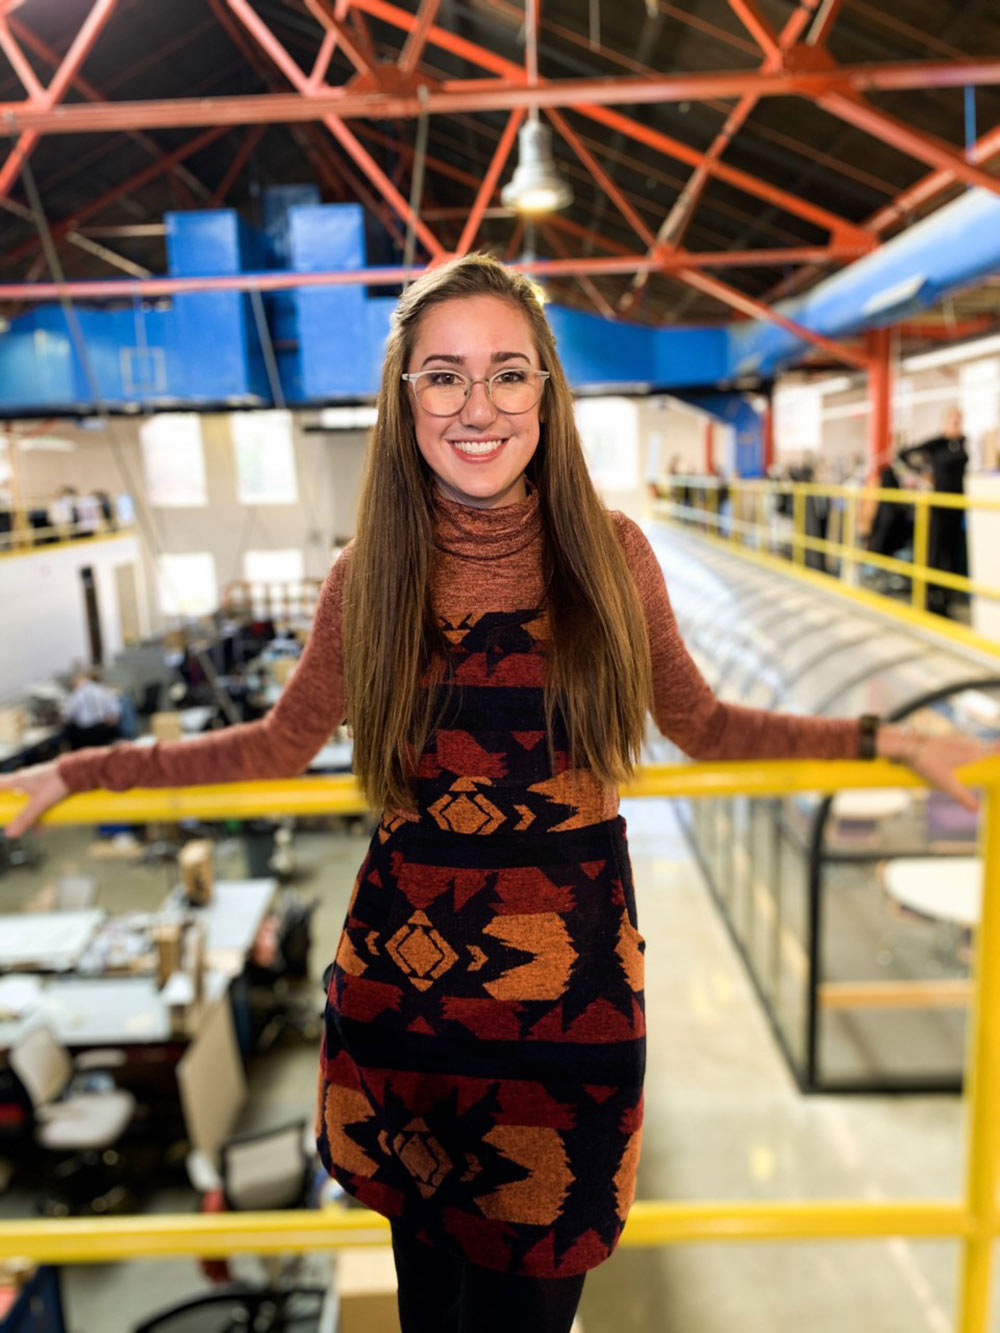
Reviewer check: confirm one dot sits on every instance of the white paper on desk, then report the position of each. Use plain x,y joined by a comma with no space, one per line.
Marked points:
19,995
178,990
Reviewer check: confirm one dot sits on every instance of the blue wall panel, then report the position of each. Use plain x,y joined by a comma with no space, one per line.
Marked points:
335,342
736,411
215,341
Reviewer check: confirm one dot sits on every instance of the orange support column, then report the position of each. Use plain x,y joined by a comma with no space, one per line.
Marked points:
879,342
767,438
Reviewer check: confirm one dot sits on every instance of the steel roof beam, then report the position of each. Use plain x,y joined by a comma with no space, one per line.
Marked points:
337,176
238,161
48,97
680,263
64,225
266,39
331,20
609,187
894,132
675,224
757,26
490,181
747,305
460,95
413,48
33,42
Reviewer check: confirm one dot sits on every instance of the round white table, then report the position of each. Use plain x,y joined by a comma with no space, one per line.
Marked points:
942,888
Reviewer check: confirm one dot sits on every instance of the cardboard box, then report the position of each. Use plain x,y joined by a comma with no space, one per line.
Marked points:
366,1283
197,865
11,725
166,726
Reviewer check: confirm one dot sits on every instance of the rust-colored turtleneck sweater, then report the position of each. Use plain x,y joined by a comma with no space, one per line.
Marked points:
485,559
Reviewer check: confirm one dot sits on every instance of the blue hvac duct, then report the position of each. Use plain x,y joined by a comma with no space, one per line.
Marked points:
203,349
950,249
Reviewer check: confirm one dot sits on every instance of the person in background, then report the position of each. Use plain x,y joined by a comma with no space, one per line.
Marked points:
92,712
107,509
944,460
891,527
88,514
817,517
62,514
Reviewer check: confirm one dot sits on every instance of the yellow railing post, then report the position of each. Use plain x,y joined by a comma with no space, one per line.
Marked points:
982,1090
849,537
921,531
798,525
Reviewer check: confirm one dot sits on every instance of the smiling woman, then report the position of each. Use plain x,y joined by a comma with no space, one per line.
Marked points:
496,639
476,440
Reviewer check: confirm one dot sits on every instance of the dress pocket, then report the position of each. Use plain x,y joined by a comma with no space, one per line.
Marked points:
623,865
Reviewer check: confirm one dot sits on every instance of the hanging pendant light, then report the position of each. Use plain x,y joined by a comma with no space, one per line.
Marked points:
536,185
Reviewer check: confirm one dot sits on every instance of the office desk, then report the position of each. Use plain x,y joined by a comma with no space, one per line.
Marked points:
105,1011
334,757
231,920
46,941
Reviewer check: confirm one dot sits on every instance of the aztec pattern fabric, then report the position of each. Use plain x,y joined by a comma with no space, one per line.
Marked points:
481,1079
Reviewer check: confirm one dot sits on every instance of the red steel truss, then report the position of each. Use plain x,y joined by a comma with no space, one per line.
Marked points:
463,95
46,99
794,62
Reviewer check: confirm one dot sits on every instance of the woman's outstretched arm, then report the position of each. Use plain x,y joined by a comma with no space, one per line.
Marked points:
278,745
704,727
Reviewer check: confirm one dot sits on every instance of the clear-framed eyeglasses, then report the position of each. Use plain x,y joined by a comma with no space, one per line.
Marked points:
443,393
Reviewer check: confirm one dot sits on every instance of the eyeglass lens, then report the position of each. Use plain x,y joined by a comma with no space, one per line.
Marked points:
442,393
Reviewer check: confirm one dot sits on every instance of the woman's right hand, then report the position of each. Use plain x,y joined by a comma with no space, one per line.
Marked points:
44,788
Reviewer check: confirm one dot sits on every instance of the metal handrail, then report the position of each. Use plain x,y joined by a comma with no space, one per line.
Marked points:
737,525
28,540
973,1219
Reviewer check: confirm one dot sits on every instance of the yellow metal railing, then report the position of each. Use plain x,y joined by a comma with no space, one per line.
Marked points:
972,1219
750,523
22,538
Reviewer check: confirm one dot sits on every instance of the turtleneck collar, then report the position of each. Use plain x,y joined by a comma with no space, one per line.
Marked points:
485,534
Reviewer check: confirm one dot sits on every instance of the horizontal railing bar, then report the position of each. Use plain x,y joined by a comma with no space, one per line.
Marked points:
934,499
341,795
856,555
650,1223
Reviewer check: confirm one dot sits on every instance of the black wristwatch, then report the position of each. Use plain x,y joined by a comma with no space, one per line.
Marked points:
868,725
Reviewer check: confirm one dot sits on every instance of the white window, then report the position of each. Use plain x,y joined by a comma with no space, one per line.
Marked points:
273,566
609,433
265,458
174,460
187,584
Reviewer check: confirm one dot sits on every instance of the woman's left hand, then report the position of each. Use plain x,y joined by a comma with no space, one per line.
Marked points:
936,758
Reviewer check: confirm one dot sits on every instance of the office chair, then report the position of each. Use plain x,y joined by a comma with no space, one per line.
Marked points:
264,1310
271,1168
78,1113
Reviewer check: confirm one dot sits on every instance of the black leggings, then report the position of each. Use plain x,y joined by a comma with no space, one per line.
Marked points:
443,1293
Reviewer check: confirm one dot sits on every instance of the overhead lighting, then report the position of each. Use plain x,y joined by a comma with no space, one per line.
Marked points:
536,185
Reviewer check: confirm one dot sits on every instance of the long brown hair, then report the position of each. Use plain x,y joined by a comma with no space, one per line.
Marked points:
598,676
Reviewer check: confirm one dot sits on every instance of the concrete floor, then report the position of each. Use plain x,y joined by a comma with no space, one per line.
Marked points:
723,1120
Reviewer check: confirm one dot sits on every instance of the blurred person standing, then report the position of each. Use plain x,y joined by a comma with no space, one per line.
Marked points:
944,460
92,712
62,513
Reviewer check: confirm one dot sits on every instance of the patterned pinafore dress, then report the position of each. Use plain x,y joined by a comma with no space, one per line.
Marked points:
482,1067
